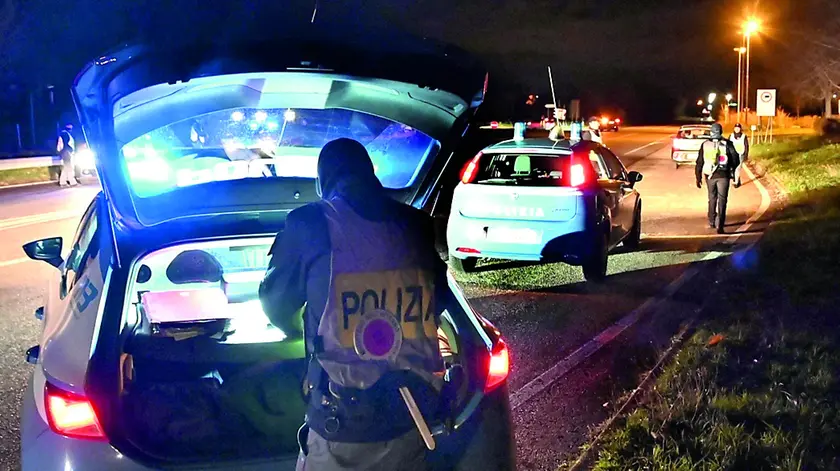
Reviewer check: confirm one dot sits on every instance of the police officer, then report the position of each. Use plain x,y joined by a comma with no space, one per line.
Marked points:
716,162
66,146
354,256
593,133
742,146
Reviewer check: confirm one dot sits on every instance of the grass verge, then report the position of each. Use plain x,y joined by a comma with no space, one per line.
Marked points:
25,175
757,387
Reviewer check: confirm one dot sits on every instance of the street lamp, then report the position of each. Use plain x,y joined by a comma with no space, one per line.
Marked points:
288,116
751,27
712,97
741,51
699,102
728,98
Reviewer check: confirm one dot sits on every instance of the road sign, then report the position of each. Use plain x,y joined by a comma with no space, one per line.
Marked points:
766,102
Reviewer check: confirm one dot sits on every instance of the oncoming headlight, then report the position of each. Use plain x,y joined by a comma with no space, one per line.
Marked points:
85,159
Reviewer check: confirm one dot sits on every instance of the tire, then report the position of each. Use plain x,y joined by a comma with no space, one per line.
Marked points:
466,265
635,236
595,268
676,165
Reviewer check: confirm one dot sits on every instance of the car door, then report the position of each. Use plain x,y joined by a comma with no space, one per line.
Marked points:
73,310
624,192
610,191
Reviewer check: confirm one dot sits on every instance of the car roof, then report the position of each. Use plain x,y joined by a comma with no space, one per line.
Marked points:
533,145
696,126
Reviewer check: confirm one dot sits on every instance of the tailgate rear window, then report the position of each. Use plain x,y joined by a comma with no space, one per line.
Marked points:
524,169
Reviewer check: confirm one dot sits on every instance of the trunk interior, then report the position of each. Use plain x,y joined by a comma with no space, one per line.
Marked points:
205,377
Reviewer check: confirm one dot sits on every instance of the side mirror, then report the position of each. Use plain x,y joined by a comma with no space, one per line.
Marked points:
48,250
634,176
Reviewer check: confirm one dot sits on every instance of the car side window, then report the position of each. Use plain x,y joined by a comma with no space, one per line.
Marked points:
82,247
614,167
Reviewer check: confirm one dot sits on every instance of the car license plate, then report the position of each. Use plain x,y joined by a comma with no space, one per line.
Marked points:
513,236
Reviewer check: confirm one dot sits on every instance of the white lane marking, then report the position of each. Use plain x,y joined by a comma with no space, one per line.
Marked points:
553,374
23,185
643,147
8,263
24,221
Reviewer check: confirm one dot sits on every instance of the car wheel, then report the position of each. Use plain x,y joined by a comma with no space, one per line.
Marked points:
595,267
635,236
465,265
676,166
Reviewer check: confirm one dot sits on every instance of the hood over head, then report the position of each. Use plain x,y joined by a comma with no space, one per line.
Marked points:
345,169
716,131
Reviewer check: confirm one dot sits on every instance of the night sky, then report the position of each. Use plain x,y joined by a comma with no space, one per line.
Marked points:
640,56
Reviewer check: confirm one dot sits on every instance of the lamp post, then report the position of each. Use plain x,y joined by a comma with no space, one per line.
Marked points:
740,50
750,27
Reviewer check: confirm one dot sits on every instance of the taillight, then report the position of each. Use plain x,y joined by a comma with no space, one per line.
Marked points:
71,415
471,170
617,120
467,250
498,367
578,176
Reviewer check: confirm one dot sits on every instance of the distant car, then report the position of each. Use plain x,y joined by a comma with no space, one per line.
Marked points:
155,351
685,145
610,124
539,199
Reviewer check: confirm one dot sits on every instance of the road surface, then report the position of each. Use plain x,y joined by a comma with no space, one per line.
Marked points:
544,311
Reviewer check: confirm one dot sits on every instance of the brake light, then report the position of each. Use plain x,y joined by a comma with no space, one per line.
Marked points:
467,250
578,176
604,120
71,415
471,170
617,120
498,367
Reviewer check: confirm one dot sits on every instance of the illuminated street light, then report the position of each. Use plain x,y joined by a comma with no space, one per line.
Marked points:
699,102
728,97
751,27
260,116
237,116
289,115
712,97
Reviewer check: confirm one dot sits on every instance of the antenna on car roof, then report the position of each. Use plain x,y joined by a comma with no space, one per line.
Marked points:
314,12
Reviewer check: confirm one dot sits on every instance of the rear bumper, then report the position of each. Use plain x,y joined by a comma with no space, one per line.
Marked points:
568,241
684,157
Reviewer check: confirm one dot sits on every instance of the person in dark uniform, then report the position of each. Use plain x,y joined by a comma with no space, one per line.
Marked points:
717,163
357,254
66,147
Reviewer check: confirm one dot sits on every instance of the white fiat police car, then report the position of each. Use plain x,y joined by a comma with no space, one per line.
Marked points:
540,199
155,352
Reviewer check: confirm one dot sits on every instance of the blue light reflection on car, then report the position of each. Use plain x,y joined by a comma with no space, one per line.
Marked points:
264,143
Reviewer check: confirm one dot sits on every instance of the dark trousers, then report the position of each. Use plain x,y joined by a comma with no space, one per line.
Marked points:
718,196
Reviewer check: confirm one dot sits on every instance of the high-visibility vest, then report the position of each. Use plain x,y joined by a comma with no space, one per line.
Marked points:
740,143
714,156
376,273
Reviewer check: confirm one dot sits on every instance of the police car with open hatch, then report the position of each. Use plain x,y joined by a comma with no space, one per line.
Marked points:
155,352
544,200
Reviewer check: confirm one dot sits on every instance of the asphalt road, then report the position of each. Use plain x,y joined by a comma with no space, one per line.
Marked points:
544,311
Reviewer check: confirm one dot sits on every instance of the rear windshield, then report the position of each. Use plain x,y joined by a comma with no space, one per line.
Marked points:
268,143
523,169
694,133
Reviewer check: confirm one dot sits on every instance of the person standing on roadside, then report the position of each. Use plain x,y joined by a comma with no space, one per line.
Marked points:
742,146
593,132
66,147
716,162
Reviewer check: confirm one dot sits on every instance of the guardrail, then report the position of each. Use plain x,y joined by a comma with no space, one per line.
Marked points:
30,162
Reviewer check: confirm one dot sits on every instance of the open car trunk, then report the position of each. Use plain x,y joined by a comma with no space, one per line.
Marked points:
205,377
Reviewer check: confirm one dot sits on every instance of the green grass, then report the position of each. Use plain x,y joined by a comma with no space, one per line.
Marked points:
24,175
767,397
